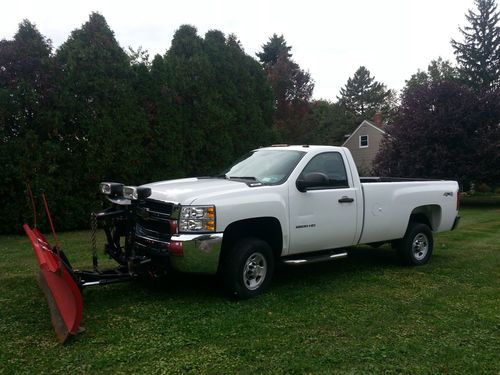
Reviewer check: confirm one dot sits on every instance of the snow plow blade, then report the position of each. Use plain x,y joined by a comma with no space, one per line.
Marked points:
60,288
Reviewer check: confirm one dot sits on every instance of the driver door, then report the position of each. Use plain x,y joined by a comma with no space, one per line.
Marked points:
324,216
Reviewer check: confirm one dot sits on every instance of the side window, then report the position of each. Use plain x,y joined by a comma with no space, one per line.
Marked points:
330,164
363,141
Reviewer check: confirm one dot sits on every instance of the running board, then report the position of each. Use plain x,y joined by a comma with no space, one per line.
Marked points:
315,259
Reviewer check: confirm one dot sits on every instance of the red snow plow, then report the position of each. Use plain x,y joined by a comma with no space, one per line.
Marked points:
59,286
63,285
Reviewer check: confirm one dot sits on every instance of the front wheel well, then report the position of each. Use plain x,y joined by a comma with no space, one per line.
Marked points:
267,229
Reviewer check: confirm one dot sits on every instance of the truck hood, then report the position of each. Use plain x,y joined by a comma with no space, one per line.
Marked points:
185,191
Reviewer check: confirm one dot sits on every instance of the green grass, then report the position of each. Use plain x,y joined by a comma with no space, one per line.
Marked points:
361,315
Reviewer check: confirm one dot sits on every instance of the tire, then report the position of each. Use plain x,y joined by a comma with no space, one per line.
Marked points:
415,248
248,268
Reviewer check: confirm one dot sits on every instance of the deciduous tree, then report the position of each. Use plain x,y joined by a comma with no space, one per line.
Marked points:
443,130
437,71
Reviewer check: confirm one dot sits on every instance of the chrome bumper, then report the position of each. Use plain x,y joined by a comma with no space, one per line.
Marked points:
201,253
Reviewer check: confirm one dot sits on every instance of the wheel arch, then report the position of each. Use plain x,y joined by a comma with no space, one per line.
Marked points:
429,215
265,228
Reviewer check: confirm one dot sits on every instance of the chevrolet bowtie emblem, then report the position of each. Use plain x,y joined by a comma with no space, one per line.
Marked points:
144,213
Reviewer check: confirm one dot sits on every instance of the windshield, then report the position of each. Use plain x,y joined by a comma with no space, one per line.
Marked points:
265,166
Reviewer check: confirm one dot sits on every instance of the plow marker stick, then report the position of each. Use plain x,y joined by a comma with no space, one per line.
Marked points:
49,218
32,199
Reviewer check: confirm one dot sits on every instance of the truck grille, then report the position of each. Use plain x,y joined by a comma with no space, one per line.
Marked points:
152,209
154,230
153,220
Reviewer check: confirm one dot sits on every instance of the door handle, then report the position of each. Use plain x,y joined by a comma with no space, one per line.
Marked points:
345,199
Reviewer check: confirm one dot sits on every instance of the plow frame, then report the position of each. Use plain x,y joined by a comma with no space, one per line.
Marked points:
63,285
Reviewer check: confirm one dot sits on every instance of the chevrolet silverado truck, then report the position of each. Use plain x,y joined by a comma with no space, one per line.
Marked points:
287,204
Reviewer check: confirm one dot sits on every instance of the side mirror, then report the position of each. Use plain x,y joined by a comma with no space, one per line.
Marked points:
313,179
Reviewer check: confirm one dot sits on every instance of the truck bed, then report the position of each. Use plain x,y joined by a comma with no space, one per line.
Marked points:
387,200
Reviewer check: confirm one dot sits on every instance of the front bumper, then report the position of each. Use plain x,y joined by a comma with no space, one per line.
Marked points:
195,253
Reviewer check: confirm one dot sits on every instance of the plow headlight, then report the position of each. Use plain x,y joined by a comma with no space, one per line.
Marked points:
111,188
197,219
130,192
136,193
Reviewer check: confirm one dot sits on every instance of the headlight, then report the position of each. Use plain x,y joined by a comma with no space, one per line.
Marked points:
197,219
134,193
111,188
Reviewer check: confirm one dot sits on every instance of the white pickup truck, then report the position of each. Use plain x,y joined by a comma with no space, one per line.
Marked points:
291,204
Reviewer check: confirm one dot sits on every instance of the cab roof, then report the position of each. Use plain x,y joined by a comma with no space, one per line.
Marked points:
305,148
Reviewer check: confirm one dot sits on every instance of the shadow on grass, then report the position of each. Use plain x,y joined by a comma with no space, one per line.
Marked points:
189,287
142,301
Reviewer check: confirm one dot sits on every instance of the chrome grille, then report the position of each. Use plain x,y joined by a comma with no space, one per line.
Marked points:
153,209
153,220
155,230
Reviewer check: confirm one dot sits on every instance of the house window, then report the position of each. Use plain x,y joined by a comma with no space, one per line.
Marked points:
363,141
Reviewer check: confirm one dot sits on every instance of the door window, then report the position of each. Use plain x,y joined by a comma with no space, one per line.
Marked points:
332,166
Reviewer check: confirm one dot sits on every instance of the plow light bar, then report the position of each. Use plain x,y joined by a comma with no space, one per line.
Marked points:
136,193
111,188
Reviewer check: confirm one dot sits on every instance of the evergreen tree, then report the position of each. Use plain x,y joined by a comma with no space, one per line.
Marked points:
363,95
178,89
104,127
478,55
329,123
92,112
214,97
243,94
27,125
25,72
273,49
292,88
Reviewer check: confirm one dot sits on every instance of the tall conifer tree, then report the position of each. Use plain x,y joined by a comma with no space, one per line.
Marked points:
478,55
292,88
104,127
363,95
28,129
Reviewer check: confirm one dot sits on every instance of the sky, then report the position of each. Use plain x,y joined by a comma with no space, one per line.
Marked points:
392,38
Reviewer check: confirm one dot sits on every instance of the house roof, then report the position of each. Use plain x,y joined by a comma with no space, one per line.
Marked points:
367,122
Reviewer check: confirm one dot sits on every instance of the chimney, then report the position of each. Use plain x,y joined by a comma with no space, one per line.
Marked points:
377,119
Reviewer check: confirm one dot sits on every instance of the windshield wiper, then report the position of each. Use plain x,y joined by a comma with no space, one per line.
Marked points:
242,178
235,177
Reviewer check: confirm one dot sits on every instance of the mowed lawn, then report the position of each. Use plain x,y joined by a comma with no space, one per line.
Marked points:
361,315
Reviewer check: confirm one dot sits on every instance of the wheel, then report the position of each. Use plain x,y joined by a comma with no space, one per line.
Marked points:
415,248
248,268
